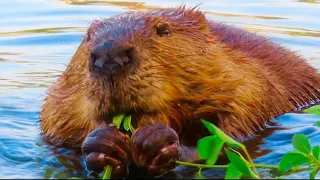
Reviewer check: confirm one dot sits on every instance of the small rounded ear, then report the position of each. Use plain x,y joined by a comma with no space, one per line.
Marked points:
194,16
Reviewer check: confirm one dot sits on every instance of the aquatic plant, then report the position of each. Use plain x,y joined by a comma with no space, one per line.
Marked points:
209,149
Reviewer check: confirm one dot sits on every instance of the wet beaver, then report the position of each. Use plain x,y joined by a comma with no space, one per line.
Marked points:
169,68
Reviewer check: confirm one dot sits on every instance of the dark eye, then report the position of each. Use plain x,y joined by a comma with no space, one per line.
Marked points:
163,29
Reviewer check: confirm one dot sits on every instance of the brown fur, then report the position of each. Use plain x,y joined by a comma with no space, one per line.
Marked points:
235,79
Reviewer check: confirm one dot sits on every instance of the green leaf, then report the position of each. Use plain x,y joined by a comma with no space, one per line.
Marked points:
127,123
204,146
48,173
313,110
314,172
317,124
209,148
316,153
301,143
117,120
292,159
240,164
107,172
233,172
216,131
60,175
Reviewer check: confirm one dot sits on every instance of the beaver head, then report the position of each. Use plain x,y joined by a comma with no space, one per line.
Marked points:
142,61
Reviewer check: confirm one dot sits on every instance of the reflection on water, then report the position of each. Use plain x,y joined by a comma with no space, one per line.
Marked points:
38,38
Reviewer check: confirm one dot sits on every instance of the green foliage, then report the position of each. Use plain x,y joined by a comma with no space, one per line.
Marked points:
316,153
303,155
209,148
107,172
240,164
314,172
117,120
220,134
292,159
127,123
233,172
301,143
313,110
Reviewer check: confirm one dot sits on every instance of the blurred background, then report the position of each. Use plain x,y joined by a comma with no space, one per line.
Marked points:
39,37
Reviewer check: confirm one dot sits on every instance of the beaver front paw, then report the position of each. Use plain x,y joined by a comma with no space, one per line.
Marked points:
106,146
156,147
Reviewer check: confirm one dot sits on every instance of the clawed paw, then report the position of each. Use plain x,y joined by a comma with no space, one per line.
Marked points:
106,146
156,147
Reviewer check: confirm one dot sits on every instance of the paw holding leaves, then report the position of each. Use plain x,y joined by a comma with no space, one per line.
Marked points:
156,147
106,146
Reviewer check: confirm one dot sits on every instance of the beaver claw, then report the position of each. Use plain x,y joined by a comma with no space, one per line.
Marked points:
106,146
156,147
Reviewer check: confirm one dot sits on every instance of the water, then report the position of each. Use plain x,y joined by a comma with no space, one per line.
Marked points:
38,38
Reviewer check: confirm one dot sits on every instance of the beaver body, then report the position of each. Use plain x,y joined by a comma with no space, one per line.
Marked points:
173,66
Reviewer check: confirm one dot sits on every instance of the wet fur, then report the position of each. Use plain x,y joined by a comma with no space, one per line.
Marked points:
235,79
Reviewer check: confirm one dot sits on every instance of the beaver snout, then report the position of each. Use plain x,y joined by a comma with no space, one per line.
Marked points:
111,59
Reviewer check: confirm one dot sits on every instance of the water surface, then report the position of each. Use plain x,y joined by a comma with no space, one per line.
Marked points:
39,37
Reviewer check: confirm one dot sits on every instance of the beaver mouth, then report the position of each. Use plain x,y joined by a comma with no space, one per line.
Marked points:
111,64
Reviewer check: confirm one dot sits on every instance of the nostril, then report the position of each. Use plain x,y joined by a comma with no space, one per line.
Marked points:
124,57
92,59
130,54
100,62
96,59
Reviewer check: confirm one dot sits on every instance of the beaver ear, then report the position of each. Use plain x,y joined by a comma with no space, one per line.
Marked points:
194,16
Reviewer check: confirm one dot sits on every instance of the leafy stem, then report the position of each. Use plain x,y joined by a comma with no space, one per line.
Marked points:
200,166
262,166
107,172
249,158
313,159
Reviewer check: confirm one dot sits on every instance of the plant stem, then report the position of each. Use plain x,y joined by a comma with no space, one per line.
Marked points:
313,159
132,129
107,172
317,170
250,159
200,165
263,166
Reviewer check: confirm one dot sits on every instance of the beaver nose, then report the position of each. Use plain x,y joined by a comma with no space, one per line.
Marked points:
110,56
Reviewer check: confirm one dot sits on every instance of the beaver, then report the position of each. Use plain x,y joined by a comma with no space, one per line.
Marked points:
169,68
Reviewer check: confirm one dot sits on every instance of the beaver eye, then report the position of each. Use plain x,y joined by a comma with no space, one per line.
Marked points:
163,29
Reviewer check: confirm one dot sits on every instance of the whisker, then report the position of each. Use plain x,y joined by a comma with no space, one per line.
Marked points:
77,47
172,63
71,44
156,87
89,23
